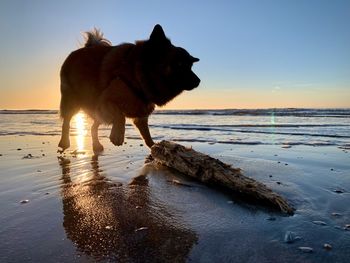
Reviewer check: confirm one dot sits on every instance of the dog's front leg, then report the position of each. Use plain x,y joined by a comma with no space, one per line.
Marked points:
142,126
118,130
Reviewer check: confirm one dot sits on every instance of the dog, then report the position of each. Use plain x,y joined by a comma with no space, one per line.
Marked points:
112,83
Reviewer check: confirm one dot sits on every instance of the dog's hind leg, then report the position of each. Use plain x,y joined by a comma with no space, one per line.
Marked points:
64,142
142,126
68,109
96,145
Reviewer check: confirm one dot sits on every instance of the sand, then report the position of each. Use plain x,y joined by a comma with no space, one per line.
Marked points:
86,208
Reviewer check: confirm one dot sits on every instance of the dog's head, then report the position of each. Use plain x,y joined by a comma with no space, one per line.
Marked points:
168,68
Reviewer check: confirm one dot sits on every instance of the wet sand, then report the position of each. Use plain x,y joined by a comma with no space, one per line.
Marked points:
111,207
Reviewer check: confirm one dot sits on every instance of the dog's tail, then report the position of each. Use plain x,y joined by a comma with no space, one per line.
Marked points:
95,38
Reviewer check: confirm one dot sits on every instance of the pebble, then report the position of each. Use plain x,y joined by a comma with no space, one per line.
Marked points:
29,156
327,246
109,227
141,229
177,182
336,214
306,249
24,201
338,191
320,223
290,237
138,207
19,149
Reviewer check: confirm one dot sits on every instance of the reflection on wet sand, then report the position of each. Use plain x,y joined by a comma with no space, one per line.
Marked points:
108,221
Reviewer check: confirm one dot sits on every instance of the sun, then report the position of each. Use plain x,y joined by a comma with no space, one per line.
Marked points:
81,131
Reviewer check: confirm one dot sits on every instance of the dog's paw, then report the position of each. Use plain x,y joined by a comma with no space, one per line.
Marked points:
149,143
63,144
117,139
97,147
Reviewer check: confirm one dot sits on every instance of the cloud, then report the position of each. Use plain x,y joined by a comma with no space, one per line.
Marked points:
275,89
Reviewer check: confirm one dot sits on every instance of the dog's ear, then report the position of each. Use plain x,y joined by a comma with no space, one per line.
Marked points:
158,35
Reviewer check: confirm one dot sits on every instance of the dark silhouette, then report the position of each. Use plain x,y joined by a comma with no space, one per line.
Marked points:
111,83
108,221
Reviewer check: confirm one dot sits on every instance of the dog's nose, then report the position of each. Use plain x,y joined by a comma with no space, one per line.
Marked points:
196,82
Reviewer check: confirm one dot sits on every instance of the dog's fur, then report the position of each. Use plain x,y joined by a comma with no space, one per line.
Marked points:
111,83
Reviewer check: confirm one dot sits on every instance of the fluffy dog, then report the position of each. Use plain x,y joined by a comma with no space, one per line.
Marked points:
111,83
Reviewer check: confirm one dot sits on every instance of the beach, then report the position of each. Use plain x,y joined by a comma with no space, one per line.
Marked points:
80,207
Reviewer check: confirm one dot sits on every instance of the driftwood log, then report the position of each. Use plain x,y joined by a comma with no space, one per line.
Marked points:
215,173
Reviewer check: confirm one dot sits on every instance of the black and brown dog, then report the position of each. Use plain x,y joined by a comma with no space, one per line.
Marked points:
111,83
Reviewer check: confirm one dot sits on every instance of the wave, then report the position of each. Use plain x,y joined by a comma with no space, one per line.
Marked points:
22,133
238,142
296,134
297,112
233,129
28,111
209,126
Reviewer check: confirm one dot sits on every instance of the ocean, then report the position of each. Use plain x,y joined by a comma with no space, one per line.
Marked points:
286,127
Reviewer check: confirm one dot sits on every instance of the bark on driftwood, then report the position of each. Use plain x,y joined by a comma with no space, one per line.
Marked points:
213,172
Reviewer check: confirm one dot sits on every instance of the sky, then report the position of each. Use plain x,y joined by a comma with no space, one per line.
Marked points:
253,53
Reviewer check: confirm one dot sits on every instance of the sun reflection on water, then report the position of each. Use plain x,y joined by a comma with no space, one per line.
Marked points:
81,131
